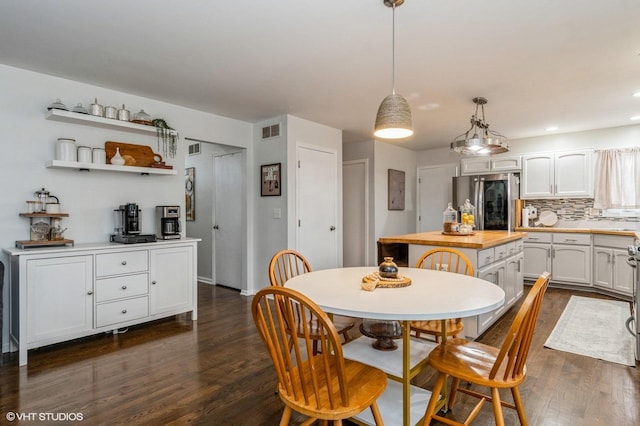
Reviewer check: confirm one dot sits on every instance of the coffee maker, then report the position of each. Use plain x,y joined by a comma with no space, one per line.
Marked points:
168,222
128,226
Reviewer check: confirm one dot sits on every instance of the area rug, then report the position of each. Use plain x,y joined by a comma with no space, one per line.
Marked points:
594,328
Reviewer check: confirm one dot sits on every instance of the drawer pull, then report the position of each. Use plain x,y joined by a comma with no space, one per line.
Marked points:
124,287
124,311
153,282
90,292
571,239
124,262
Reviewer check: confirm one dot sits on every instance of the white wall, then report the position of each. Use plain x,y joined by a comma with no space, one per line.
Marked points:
88,197
394,222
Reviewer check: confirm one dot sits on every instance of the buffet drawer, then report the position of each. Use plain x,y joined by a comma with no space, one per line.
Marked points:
121,287
122,263
579,239
121,311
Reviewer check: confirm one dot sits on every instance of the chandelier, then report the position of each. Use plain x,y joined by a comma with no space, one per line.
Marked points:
483,141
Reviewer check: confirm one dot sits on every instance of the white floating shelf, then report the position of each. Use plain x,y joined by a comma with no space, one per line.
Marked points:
91,120
57,164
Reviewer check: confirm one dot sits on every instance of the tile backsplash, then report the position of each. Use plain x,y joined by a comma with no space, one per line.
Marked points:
575,209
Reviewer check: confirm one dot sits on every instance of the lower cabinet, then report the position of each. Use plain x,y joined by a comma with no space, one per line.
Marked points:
611,272
60,297
566,256
171,275
64,293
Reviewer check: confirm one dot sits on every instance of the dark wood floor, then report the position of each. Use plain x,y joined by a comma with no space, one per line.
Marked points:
216,372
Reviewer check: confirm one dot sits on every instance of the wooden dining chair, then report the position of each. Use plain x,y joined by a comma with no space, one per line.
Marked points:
287,264
483,365
325,386
442,259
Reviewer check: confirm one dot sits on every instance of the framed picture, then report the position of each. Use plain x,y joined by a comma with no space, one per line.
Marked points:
270,179
190,193
396,190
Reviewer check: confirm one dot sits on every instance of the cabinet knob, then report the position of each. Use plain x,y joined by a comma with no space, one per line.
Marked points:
124,262
124,287
90,292
153,282
124,311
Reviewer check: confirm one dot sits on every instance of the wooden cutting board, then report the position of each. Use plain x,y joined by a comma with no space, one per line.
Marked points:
134,155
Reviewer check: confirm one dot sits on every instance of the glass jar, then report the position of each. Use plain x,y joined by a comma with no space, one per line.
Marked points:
450,219
468,214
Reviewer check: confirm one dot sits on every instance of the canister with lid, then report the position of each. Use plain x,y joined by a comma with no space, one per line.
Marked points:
66,149
84,154
99,156
450,219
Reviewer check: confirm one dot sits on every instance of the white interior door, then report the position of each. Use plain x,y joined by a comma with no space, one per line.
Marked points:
355,201
317,204
228,219
435,190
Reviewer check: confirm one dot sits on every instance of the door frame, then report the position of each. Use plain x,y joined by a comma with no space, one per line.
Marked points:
365,162
338,196
242,238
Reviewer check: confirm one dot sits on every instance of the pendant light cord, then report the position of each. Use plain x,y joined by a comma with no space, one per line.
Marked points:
393,51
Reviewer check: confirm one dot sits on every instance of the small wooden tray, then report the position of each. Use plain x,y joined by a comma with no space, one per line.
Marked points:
42,243
457,234
386,282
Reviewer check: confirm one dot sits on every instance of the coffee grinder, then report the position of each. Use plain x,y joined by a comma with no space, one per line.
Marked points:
128,226
168,222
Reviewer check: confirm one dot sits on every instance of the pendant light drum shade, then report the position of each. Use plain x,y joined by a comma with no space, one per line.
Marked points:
393,120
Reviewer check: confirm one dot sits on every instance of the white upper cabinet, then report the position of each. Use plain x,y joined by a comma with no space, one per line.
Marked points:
499,164
557,175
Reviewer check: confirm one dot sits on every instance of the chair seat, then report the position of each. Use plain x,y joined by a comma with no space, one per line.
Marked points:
434,327
472,361
365,384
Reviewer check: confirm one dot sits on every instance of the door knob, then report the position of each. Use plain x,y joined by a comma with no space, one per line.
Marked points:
332,228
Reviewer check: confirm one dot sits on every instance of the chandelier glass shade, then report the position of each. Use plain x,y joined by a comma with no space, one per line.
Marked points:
393,120
479,140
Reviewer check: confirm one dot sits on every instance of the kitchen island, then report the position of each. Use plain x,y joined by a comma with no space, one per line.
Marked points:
497,256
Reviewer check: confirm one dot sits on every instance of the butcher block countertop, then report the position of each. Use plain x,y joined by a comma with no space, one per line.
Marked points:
622,232
480,240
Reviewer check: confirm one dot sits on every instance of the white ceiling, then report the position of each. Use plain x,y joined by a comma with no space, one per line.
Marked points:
570,63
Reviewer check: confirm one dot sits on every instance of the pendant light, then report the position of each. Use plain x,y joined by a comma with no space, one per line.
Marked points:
483,141
393,120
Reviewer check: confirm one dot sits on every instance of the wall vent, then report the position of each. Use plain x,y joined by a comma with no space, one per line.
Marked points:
271,131
194,148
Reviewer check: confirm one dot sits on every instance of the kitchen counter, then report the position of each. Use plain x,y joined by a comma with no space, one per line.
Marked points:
480,239
624,233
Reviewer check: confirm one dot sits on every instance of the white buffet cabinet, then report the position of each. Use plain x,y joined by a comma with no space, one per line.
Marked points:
63,293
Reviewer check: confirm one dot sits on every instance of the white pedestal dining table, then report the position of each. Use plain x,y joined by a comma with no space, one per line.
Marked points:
431,295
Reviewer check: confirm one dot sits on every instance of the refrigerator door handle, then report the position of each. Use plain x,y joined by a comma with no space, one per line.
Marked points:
479,203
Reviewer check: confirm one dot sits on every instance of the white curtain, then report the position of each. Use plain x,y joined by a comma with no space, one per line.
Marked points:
617,184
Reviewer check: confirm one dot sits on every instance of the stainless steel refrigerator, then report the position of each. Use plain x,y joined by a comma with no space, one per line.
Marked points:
494,197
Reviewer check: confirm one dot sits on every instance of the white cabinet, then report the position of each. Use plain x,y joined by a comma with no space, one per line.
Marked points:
60,298
610,268
557,175
514,278
495,273
62,293
566,255
499,164
171,278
